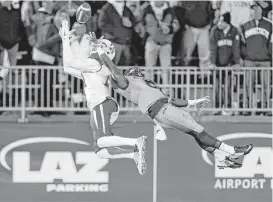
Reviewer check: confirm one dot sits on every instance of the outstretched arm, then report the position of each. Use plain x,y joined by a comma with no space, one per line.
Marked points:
184,103
78,64
117,74
72,64
67,53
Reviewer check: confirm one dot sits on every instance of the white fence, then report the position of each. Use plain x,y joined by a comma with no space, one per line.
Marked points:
46,88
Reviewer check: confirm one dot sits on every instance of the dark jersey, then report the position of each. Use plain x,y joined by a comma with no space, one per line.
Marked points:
142,92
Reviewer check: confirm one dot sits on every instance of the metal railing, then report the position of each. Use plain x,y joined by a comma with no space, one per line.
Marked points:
39,88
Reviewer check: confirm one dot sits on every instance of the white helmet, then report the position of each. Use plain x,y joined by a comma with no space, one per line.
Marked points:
108,48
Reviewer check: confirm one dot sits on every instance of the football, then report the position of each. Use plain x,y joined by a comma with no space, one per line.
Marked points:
83,13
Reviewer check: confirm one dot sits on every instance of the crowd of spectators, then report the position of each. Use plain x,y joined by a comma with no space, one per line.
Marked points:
207,34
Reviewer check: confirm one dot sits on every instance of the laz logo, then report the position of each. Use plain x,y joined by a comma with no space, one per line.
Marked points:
59,166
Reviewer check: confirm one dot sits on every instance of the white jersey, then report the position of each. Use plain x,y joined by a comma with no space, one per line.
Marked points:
94,74
240,11
142,92
95,82
95,78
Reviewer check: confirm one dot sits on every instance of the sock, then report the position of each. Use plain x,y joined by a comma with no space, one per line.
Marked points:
227,148
114,153
115,141
219,155
204,139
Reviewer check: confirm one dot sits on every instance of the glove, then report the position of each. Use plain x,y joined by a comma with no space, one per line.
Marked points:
96,45
203,101
64,30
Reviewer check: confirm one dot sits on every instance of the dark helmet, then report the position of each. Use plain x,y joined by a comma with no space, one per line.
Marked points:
134,71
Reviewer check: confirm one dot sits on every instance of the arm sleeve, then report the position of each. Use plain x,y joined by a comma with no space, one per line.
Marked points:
75,66
66,54
213,47
117,75
236,49
242,41
179,102
184,103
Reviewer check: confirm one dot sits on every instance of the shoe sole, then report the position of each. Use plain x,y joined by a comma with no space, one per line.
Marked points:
234,164
144,144
142,155
232,167
142,165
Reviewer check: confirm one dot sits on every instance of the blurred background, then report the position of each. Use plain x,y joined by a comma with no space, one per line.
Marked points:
190,48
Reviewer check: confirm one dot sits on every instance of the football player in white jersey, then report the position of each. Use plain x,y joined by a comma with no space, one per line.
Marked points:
104,109
169,113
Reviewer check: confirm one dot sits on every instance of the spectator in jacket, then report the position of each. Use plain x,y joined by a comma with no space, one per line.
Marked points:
117,22
160,28
257,52
225,52
198,16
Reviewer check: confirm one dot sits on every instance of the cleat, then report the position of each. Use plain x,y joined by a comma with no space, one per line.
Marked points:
140,162
141,154
141,144
228,163
241,151
233,166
